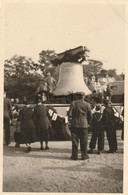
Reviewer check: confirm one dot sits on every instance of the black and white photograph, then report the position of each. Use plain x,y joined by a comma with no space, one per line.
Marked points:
64,77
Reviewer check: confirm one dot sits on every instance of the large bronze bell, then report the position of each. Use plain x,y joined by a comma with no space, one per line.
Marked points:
71,80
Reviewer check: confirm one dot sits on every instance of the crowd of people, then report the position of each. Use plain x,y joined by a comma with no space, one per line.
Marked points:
82,116
35,123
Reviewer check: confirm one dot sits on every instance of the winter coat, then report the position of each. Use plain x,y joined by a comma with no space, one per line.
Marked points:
80,111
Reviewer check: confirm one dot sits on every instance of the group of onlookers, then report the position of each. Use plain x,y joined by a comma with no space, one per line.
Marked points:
81,117
17,101
35,123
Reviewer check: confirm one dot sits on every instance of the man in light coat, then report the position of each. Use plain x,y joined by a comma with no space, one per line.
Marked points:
80,113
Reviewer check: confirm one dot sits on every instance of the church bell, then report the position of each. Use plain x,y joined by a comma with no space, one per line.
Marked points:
70,80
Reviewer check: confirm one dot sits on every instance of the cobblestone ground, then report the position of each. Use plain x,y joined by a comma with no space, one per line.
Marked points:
53,171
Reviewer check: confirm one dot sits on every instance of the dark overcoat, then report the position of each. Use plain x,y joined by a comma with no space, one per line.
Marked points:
41,117
26,117
42,122
109,125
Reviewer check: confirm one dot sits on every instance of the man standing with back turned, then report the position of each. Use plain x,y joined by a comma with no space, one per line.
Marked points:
80,113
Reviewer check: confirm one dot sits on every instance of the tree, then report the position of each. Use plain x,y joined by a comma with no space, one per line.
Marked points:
20,87
45,63
112,72
93,68
45,58
20,78
19,66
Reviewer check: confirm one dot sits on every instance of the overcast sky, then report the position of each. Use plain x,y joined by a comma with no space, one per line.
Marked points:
62,25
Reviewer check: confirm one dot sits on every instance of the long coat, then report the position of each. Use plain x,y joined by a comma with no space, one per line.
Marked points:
108,123
26,117
7,108
42,121
80,111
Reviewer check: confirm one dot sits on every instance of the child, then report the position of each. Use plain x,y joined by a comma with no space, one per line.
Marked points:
97,131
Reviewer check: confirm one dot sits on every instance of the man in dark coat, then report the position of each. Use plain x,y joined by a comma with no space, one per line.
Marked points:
42,122
97,131
109,126
8,115
80,113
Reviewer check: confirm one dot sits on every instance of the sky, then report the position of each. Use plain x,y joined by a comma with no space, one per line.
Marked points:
33,26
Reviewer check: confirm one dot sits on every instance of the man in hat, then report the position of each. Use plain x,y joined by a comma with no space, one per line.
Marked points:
8,115
80,113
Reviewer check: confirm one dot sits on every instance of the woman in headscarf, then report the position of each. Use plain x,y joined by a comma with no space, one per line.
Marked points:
26,117
42,122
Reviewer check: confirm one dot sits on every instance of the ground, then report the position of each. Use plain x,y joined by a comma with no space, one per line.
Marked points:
53,171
